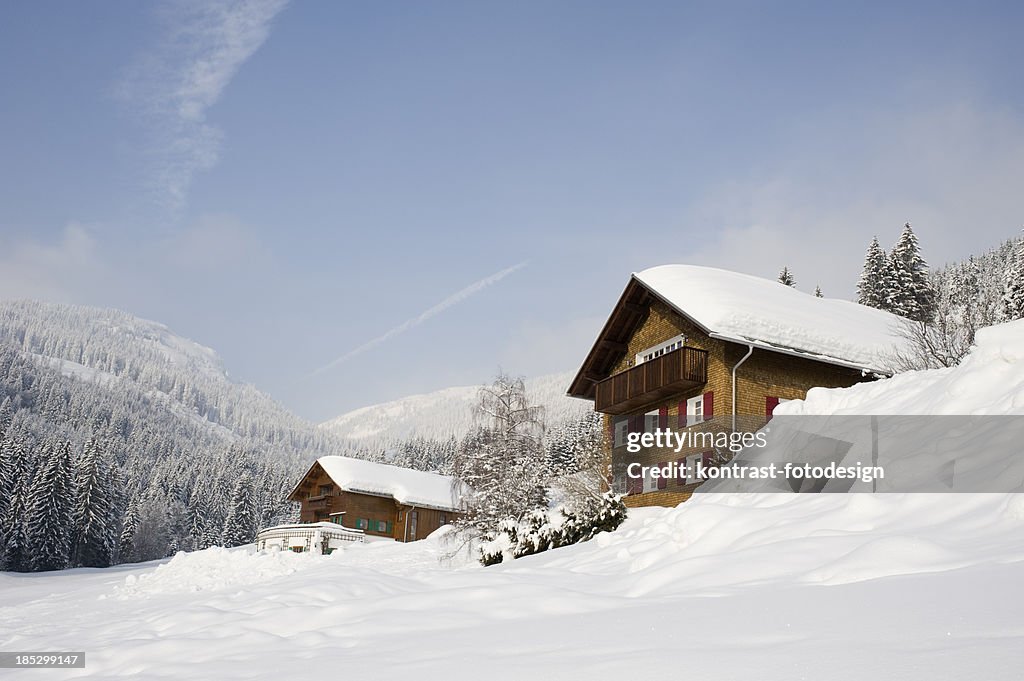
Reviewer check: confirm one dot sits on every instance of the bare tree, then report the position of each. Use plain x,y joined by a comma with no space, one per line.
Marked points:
941,343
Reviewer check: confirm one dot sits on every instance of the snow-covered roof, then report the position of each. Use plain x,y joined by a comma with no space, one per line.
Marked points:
405,485
747,309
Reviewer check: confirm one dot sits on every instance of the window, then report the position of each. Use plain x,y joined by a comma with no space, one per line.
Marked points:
695,410
361,524
621,432
652,420
656,351
444,519
650,482
326,489
413,517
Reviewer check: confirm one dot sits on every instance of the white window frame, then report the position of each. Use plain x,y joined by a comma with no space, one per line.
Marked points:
652,421
695,410
655,351
650,482
691,467
621,430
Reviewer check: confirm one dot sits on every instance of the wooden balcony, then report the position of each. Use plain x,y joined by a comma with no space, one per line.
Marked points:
319,502
652,381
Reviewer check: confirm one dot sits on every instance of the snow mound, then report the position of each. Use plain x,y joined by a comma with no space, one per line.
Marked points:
989,381
213,569
744,308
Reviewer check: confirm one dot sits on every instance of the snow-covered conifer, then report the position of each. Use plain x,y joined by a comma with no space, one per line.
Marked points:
48,515
1012,301
786,277
240,525
871,289
93,514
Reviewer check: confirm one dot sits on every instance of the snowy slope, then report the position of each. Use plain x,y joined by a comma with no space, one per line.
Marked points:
768,586
447,412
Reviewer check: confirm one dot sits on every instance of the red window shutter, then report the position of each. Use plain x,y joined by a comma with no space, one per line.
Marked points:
709,405
681,475
662,481
663,418
636,485
682,414
769,405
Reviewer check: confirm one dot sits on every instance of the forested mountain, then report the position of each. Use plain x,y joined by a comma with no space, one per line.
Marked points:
122,441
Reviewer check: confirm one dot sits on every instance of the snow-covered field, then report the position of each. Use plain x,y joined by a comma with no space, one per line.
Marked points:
724,587
727,586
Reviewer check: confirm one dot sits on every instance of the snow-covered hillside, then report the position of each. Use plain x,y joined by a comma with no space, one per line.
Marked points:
445,413
740,586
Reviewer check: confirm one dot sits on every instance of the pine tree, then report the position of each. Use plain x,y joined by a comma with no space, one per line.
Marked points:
817,292
1012,301
48,510
240,525
130,525
14,478
93,516
910,294
871,289
786,277
6,415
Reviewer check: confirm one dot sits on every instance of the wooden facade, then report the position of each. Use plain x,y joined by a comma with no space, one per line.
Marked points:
322,499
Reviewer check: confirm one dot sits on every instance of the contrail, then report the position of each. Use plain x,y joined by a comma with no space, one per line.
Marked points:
451,300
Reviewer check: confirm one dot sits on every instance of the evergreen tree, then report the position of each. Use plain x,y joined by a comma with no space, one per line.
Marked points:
48,510
871,289
240,525
14,478
817,292
126,542
786,277
910,293
6,415
1012,301
93,517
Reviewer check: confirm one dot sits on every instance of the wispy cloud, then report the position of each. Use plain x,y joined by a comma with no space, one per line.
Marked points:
172,86
448,302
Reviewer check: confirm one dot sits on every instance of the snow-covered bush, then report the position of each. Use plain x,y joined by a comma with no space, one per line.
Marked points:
543,529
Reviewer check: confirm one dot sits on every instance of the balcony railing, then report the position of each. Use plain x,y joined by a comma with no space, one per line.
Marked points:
652,381
318,502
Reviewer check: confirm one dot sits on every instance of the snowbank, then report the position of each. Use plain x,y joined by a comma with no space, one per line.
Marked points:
213,569
990,381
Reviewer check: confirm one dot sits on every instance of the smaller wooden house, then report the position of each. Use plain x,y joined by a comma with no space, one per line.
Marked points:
377,499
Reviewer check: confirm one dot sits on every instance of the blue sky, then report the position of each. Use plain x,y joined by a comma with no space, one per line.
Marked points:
474,182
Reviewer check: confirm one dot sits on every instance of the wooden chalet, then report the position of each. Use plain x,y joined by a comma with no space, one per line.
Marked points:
697,347
378,500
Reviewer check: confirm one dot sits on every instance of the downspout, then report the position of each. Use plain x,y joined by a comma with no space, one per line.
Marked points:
405,535
750,351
